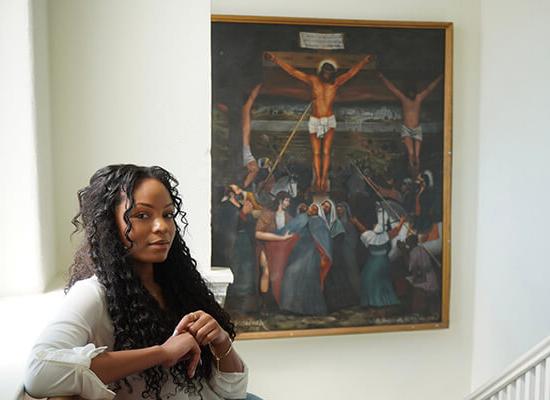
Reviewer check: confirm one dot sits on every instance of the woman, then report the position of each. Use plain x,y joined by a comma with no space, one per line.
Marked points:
233,229
138,320
347,249
342,283
329,215
376,285
308,265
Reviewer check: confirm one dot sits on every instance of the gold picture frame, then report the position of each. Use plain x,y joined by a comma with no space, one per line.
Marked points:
251,49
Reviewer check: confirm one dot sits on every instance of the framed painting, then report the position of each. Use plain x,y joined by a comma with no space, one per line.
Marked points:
331,173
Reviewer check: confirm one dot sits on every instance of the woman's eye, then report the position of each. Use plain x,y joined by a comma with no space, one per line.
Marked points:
141,215
170,215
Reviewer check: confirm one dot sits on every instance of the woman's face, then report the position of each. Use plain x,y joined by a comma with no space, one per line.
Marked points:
313,210
152,218
326,207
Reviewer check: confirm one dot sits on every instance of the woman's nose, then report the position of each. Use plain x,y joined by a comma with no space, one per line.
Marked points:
160,225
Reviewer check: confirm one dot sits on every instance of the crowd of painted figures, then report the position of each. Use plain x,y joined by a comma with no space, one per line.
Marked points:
377,248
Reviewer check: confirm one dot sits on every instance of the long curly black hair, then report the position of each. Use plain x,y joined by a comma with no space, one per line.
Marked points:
138,320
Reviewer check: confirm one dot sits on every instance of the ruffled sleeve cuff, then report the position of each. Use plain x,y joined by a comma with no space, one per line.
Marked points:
229,385
66,372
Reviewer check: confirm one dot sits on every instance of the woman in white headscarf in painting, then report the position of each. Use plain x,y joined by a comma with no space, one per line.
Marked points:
376,284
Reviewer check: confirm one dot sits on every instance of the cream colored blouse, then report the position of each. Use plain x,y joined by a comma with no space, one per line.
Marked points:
60,360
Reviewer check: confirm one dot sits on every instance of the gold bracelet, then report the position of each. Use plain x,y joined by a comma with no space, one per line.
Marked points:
225,354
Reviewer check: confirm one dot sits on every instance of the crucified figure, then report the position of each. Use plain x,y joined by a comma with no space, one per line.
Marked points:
411,131
248,159
322,122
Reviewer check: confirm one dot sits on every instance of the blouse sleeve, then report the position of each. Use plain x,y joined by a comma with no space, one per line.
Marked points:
366,237
60,360
229,385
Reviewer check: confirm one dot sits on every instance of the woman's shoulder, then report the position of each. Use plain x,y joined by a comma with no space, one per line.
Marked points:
87,295
89,286
372,238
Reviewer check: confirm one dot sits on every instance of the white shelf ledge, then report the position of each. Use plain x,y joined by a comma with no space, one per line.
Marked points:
218,278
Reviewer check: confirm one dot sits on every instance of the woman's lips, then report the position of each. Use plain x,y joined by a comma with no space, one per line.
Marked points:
160,244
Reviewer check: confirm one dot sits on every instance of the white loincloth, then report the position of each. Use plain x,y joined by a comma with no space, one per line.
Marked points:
413,133
247,155
320,126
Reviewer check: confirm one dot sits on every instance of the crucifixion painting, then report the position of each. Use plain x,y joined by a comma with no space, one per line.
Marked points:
323,205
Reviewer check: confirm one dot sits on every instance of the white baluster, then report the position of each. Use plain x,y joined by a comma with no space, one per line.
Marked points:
510,391
519,388
546,380
538,381
528,391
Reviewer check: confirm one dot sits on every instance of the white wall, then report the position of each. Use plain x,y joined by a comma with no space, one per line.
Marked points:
20,250
26,256
130,83
512,297
42,121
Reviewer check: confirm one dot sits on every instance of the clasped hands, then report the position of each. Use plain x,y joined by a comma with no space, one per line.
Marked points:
194,330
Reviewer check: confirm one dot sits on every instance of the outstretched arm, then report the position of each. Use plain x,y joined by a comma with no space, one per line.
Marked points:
395,231
391,87
289,69
423,94
346,76
272,237
246,113
358,225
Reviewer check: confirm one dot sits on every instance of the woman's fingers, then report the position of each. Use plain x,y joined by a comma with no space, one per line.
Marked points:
196,326
187,321
204,332
210,337
201,325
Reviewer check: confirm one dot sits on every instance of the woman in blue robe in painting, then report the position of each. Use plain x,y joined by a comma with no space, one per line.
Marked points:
342,283
376,284
234,229
347,250
342,287
308,265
